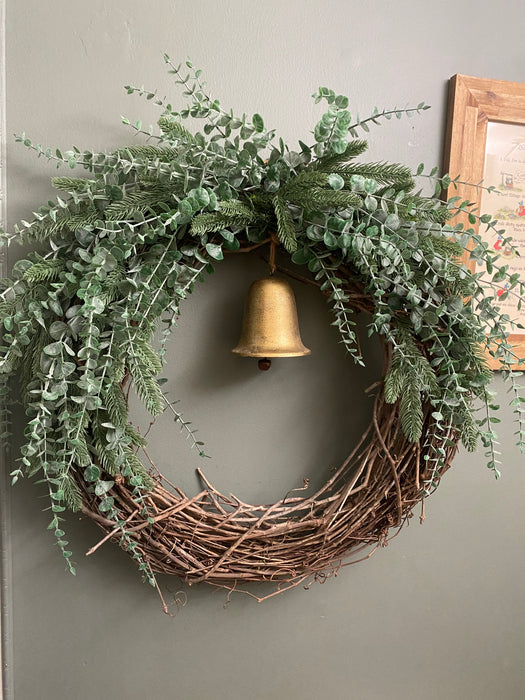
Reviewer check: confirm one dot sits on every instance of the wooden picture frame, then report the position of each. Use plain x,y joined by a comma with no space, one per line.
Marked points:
474,105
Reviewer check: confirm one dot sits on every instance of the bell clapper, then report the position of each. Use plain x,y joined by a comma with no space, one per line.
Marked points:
264,364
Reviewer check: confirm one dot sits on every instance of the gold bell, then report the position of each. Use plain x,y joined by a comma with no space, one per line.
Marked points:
270,327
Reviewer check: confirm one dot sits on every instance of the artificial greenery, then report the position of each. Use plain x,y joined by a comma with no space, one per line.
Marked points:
115,257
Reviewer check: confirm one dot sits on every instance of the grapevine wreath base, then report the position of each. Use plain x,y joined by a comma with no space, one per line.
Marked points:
221,540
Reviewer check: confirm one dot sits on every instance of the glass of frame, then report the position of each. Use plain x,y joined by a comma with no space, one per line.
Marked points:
485,141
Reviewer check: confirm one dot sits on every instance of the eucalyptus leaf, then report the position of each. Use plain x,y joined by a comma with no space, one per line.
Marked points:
215,251
53,349
335,181
92,473
102,487
258,122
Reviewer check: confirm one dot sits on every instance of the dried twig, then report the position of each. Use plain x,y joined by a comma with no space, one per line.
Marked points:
217,538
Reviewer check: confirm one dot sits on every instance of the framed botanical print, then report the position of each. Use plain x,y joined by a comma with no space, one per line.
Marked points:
485,146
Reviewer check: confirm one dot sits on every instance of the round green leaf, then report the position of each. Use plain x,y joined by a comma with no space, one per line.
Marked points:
258,123
335,181
92,473
53,349
102,487
215,251
106,504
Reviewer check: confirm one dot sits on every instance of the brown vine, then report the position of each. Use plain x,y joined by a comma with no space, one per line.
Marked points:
219,539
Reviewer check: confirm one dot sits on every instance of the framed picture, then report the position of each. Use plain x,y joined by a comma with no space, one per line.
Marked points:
485,143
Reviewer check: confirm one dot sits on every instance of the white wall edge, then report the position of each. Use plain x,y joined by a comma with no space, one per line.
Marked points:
6,621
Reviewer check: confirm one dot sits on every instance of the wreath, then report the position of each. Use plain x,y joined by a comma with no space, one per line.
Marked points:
112,262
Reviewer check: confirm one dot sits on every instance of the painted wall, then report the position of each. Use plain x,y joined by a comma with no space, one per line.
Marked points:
437,615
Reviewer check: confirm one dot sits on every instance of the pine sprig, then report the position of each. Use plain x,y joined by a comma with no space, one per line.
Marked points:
146,385
175,131
139,202
44,271
285,224
116,405
324,199
231,214
163,154
384,173
409,378
333,163
73,184
72,493
410,408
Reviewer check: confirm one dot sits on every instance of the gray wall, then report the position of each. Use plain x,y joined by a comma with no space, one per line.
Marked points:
437,615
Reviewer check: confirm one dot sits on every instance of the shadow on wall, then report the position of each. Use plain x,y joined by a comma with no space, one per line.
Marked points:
265,431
